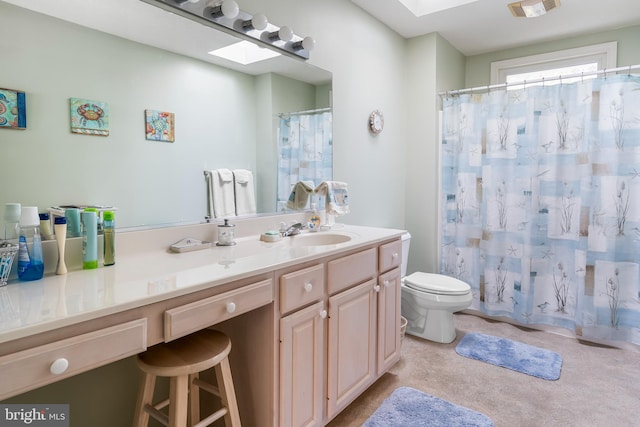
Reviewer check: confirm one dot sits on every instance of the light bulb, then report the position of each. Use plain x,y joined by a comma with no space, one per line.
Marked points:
284,33
258,22
307,43
227,8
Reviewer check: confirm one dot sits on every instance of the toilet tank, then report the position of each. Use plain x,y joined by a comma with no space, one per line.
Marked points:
406,241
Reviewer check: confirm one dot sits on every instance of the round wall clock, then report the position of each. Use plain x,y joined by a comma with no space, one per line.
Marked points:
376,122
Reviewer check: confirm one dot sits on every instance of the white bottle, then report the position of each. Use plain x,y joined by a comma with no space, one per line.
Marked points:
60,230
45,226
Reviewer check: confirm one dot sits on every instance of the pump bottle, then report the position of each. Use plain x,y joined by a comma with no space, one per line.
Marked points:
30,261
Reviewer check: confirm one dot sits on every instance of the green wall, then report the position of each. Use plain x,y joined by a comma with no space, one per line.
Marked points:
478,67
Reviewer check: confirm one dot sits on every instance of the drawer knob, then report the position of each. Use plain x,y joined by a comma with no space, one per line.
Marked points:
386,283
395,255
376,288
59,366
231,307
308,287
323,314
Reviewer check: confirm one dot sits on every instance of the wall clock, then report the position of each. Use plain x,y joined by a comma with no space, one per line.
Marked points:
376,122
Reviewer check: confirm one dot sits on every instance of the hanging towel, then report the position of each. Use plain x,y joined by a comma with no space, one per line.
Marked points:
221,193
337,197
300,195
245,193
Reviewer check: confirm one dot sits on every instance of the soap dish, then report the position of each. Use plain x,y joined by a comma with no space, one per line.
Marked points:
188,245
270,236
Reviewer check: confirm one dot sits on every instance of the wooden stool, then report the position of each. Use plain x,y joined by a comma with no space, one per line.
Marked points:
182,360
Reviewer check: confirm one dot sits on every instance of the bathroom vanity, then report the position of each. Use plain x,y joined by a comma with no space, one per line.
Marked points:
314,319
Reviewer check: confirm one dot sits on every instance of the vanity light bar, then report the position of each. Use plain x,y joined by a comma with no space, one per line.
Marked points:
226,16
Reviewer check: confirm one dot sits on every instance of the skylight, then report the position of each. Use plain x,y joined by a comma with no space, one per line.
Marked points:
244,53
426,7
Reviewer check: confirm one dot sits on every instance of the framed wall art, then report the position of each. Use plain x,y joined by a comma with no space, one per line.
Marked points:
13,109
159,125
89,117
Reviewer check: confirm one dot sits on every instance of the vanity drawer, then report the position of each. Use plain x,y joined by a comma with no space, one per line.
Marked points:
189,318
351,270
390,256
301,287
38,366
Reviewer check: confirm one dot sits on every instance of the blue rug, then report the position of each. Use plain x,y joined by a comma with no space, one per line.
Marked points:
510,354
408,407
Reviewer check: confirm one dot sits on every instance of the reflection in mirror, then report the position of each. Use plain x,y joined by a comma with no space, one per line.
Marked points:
223,119
305,148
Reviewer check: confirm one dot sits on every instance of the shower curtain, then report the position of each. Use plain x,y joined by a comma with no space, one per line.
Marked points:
541,204
305,151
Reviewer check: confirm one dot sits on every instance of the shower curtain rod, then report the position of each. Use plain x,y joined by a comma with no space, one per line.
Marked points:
542,80
317,111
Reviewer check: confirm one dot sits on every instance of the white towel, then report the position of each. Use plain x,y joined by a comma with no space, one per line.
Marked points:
225,175
336,197
299,196
245,192
221,193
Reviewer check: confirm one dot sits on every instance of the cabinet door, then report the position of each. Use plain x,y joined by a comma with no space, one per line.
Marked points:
302,359
388,320
351,345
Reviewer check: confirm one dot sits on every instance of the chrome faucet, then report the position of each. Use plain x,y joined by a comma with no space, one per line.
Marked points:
292,230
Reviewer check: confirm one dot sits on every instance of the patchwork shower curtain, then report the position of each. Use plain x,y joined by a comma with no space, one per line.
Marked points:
541,204
305,151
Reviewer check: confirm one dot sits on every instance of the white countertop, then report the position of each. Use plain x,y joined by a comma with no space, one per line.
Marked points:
138,279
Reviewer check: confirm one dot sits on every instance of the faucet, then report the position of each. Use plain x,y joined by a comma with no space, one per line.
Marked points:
292,230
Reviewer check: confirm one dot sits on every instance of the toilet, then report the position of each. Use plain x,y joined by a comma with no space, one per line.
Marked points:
429,301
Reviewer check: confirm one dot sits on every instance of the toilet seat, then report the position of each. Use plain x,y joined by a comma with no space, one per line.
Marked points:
436,284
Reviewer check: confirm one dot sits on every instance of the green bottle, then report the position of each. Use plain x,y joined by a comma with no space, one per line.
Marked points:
109,238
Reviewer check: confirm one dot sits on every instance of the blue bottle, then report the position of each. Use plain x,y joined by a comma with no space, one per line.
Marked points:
30,261
89,239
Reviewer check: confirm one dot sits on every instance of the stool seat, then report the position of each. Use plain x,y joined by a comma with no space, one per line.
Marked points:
182,360
187,355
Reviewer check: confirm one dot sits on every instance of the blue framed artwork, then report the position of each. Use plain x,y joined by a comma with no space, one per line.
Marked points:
13,109
159,125
89,117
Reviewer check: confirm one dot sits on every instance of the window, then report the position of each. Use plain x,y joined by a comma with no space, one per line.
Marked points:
553,64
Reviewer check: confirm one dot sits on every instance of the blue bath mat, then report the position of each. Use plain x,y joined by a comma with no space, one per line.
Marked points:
510,354
408,407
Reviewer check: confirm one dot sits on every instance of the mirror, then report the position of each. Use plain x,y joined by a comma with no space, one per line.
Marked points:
226,115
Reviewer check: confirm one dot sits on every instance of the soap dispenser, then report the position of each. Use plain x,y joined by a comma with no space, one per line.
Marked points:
226,234
313,224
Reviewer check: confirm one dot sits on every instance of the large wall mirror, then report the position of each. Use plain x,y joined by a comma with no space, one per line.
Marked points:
136,57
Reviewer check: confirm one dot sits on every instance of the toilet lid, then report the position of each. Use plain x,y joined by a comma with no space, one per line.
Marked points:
436,284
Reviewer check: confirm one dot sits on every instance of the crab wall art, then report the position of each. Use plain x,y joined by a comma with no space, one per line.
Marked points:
89,117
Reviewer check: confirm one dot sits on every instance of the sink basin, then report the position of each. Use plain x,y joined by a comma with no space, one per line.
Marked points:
318,239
